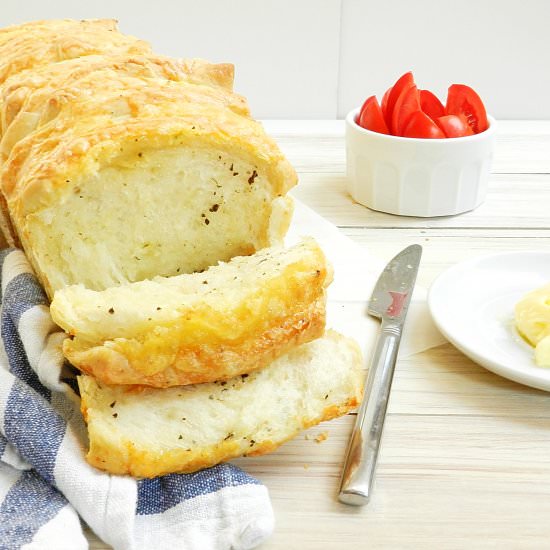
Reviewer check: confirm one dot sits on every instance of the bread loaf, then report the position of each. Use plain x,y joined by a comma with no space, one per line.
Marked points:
229,320
179,164
146,432
127,178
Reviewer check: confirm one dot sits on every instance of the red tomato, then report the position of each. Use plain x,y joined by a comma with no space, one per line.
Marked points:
462,100
405,82
420,125
431,105
371,118
454,126
384,105
407,104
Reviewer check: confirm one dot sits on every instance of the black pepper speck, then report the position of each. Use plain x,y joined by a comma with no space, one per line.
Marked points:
252,177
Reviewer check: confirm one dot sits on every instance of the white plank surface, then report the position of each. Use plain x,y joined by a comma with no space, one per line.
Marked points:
513,200
464,462
522,146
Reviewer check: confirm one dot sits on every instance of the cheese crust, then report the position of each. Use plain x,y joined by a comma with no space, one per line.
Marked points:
231,319
41,42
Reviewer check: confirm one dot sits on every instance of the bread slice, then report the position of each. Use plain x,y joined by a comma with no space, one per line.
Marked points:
148,432
231,319
190,180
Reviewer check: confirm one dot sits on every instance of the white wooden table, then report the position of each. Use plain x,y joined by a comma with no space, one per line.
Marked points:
465,461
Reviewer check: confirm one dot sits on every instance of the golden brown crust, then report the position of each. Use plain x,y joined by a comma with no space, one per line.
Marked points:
242,316
8,234
201,70
29,93
177,363
37,43
59,24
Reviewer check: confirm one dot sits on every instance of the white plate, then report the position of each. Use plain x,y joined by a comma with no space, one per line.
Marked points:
472,304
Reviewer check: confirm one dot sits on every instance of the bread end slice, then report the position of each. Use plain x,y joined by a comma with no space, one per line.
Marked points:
148,432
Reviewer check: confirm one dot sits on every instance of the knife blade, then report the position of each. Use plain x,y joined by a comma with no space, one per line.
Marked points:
389,302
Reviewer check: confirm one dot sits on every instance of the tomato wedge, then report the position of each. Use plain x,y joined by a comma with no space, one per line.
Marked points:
404,82
431,105
420,125
462,100
371,118
407,104
409,112
384,104
454,126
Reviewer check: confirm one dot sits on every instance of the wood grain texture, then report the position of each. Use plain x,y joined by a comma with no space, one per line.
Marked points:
464,462
522,146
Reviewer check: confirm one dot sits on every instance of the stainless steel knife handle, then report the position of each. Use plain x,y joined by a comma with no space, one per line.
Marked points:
358,474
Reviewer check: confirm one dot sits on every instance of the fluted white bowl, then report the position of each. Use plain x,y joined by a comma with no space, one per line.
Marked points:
418,177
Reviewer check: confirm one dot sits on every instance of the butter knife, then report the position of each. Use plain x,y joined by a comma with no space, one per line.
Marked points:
389,302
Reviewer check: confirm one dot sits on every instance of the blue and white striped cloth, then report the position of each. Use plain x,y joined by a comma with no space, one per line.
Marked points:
45,483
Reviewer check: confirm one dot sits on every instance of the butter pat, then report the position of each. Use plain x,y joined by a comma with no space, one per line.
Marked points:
532,314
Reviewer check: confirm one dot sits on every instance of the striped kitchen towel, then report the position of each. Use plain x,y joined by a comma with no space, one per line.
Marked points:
45,483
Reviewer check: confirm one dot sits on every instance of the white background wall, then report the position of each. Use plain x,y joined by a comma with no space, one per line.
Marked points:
320,58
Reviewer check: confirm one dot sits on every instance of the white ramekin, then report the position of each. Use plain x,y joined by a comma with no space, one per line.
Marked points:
418,177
